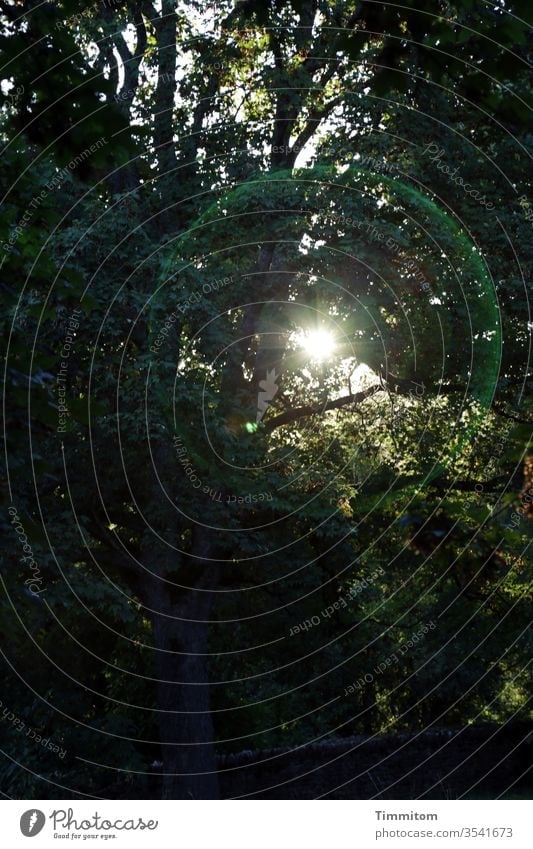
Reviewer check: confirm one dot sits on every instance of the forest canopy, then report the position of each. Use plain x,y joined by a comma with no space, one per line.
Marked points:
267,412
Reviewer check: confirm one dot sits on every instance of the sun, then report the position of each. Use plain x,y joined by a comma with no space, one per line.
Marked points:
319,344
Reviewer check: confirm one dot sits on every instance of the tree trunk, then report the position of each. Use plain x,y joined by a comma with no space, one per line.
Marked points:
178,590
185,724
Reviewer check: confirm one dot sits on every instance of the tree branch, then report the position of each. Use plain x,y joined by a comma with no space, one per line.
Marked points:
491,485
314,409
314,119
499,410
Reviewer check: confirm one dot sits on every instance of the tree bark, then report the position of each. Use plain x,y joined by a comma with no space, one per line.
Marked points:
178,591
185,723
164,129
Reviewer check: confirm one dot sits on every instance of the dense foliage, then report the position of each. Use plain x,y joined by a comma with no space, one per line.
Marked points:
214,533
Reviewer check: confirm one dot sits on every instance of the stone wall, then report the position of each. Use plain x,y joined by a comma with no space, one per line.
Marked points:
479,760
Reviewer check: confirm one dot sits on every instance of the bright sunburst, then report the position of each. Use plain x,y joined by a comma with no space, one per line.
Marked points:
319,344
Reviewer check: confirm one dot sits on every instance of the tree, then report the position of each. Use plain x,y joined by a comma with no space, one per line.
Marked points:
207,456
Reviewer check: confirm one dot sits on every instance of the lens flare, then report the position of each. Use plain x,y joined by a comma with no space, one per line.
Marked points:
319,344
